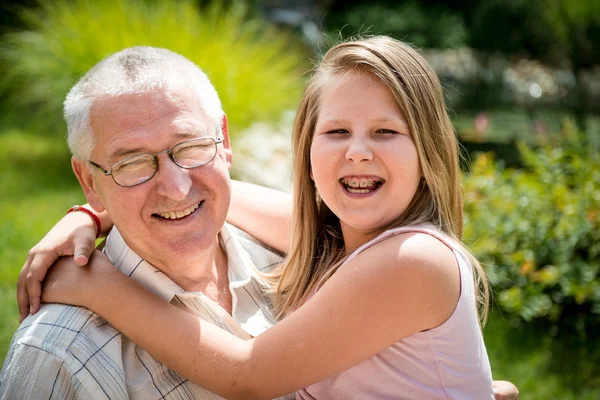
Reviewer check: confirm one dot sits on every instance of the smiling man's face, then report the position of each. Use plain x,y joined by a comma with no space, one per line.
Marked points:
148,123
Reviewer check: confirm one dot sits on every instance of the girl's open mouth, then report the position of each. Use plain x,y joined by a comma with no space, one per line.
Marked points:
361,185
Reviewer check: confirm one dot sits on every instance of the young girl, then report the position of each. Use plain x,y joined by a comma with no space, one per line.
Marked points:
378,296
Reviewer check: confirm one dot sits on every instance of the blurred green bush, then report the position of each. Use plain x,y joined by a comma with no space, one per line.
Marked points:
423,25
537,230
256,69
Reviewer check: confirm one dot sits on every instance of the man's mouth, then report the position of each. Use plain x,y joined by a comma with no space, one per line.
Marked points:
361,184
178,214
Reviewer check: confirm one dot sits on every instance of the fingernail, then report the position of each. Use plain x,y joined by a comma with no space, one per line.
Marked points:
31,310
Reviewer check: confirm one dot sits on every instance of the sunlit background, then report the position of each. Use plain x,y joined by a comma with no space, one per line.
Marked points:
522,83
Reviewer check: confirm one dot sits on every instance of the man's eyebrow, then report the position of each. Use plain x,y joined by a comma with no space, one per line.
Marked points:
183,135
122,152
191,133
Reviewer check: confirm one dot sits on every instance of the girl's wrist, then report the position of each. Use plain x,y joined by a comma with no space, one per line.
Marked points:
104,280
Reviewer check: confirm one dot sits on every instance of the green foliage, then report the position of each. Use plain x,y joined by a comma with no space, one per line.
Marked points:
554,31
537,230
422,25
256,69
535,361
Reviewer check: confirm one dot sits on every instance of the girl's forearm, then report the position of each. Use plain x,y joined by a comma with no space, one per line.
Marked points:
264,213
196,349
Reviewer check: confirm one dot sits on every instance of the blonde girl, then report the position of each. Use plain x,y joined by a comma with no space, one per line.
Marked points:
378,297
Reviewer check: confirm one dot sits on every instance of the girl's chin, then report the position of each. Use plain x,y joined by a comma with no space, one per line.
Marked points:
365,228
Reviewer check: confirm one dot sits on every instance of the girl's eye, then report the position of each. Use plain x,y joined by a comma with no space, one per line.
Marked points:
386,131
334,131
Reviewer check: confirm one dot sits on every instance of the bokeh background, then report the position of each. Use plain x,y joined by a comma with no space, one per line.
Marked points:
522,83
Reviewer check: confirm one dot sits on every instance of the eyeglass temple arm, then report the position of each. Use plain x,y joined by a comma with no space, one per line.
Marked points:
105,172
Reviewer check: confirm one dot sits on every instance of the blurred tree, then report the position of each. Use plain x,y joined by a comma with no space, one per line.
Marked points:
562,33
428,23
9,13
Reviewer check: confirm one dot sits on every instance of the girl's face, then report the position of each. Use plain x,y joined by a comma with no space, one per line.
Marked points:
364,162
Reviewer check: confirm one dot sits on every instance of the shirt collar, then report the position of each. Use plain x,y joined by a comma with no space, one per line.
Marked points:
240,268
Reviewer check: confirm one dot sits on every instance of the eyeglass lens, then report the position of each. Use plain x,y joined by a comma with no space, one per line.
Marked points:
189,154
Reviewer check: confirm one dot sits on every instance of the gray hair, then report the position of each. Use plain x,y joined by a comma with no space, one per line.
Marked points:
134,70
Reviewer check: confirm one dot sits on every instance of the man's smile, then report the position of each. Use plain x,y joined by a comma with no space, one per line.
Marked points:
178,214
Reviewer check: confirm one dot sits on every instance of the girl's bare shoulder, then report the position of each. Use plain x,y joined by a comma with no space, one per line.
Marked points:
414,250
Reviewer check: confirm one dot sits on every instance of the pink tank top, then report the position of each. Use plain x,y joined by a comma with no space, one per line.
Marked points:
447,362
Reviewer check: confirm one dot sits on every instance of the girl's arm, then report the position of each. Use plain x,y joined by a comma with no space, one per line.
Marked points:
400,286
264,213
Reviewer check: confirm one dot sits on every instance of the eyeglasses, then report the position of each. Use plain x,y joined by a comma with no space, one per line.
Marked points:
141,168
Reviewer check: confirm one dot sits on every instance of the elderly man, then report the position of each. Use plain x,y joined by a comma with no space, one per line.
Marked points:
146,115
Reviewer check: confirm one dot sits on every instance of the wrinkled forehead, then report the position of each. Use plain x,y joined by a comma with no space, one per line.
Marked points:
144,119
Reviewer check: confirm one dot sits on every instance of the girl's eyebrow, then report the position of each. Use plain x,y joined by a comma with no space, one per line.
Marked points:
379,119
389,119
336,121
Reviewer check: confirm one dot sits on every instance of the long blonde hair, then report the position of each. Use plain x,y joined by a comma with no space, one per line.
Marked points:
317,247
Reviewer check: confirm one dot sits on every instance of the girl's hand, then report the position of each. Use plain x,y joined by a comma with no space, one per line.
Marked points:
505,390
69,283
73,235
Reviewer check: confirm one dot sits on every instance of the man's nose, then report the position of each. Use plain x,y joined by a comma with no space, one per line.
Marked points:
359,149
172,181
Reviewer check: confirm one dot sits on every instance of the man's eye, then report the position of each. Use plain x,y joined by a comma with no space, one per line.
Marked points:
133,165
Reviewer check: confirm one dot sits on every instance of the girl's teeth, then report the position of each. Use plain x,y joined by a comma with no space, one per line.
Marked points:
361,186
350,190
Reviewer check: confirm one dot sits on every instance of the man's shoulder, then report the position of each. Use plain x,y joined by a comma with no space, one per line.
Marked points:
264,257
64,351
58,329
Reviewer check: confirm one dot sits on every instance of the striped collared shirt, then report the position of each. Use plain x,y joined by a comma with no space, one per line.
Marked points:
66,352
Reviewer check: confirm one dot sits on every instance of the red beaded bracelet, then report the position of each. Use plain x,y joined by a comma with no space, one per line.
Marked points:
91,214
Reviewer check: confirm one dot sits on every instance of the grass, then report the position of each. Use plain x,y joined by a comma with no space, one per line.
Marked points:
38,186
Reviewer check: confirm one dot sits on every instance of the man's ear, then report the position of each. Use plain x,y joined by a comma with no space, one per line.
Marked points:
226,142
84,176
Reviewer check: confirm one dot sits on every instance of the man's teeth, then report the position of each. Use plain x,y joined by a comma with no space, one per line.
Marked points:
179,214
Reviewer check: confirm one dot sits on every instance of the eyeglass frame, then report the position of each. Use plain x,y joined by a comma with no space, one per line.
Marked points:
168,151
